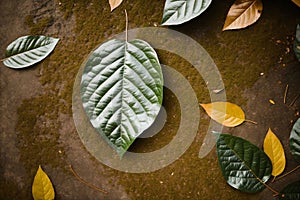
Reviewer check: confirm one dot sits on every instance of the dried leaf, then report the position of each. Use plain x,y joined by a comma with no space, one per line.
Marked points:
114,4
274,149
42,188
243,13
297,2
225,113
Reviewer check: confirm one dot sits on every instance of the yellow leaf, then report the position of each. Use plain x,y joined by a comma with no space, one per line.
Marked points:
273,148
114,4
42,188
225,113
243,13
297,2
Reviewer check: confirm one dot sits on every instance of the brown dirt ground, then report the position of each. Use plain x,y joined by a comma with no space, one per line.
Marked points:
36,124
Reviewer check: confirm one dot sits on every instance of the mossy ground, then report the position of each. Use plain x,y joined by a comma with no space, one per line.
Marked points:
241,56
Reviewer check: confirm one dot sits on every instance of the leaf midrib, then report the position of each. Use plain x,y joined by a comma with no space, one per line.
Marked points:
235,153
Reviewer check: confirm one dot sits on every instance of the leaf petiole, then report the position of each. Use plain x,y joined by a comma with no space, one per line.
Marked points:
284,175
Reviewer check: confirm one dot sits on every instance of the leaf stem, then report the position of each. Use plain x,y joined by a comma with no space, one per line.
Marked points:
3,59
285,93
284,175
126,28
276,193
85,182
250,121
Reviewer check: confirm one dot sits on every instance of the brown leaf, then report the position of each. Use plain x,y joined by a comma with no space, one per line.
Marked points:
297,2
114,4
242,14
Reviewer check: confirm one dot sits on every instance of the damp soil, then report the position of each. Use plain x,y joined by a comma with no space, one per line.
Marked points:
37,127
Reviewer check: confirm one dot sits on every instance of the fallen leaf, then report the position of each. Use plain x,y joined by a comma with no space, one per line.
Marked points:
290,192
114,4
42,188
244,166
274,149
242,14
297,43
295,141
178,11
297,2
225,113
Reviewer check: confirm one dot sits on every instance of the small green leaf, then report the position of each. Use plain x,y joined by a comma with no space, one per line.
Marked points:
180,11
42,188
297,43
295,141
121,90
244,166
291,192
28,50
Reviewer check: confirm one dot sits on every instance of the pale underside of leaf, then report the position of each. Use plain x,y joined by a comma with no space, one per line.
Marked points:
180,11
114,4
28,50
243,163
42,188
121,90
225,113
242,14
295,141
274,149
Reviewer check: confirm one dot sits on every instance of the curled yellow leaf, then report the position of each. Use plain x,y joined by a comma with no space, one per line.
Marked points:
225,113
274,149
42,188
114,4
242,14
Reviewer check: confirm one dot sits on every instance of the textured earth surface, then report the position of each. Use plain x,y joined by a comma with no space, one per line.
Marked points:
36,124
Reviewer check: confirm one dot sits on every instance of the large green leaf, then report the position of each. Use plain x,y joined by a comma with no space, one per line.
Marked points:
244,165
121,90
295,141
297,43
291,192
28,50
180,11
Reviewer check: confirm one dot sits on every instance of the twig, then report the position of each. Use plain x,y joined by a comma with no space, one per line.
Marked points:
295,99
250,121
126,29
87,183
284,175
285,93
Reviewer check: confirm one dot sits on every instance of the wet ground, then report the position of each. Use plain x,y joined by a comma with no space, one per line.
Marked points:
37,126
